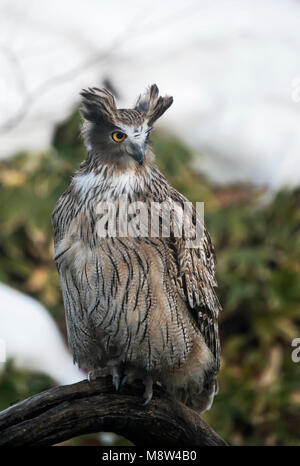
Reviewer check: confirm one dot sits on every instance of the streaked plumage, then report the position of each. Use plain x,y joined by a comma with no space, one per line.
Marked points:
144,307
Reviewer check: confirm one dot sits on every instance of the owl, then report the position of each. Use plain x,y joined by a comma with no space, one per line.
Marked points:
138,306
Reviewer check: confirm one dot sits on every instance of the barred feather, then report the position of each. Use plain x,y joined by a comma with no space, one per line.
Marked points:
152,104
147,301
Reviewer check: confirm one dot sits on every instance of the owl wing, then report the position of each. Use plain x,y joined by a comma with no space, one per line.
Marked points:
65,210
196,274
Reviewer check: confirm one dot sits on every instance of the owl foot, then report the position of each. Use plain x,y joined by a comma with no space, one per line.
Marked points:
115,377
124,380
114,370
148,393
97,373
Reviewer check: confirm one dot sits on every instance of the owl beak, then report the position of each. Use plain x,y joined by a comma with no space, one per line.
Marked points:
136,151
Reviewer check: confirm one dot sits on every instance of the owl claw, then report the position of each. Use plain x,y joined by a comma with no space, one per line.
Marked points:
115,377
116,381
124,380
147,401
95,374
148,393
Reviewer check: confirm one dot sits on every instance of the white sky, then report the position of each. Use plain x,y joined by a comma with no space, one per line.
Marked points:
232,66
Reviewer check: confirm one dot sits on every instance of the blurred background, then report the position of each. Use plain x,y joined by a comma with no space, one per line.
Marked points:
231,139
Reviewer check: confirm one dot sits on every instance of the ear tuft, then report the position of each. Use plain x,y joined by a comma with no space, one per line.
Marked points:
152,104
98,106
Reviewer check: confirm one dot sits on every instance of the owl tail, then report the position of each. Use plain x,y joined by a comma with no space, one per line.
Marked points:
197,396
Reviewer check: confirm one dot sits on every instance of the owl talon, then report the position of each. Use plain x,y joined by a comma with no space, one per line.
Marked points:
147,401
115,377
95,374
124,380
116,381
148,393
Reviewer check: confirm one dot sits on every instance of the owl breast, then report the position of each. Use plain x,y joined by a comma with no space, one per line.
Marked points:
120,302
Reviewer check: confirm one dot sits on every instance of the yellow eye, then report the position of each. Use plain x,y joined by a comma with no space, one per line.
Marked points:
118,136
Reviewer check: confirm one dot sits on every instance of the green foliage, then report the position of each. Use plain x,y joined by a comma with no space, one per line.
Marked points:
16,385
258,250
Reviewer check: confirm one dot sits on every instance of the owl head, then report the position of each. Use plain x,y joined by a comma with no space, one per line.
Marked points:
116,135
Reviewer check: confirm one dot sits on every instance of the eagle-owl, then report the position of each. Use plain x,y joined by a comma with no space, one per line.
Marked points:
137,307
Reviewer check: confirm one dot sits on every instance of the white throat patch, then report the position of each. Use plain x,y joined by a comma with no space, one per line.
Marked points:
109,187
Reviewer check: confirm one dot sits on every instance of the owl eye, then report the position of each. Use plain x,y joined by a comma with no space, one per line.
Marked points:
118,136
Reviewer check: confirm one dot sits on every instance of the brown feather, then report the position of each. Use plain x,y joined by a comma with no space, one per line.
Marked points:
98,105
147,304
152,104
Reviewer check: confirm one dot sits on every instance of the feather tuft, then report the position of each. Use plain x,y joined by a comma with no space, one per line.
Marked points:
152,104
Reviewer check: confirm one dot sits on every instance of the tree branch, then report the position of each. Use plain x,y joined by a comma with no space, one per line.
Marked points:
66,411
